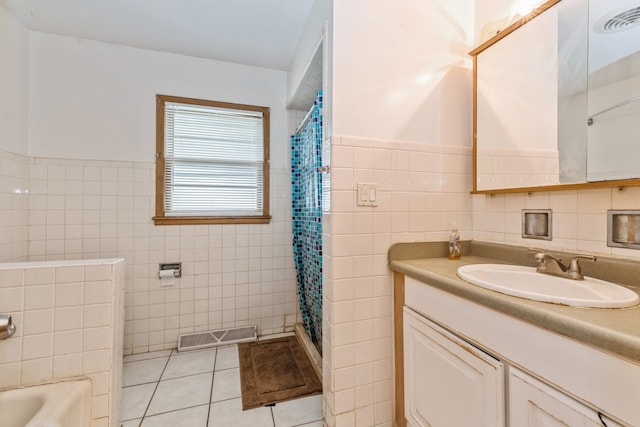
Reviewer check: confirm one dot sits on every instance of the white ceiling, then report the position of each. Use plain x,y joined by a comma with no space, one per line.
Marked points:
605,48
261,33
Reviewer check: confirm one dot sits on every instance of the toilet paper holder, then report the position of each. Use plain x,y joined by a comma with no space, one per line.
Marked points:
537,224
176,267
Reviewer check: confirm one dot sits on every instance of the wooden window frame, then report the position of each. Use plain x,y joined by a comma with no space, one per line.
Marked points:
160,218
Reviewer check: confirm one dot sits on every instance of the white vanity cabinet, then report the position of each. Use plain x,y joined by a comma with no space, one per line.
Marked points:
533,403
449,382
469,365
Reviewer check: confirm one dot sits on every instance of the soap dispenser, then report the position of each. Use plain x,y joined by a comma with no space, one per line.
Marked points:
454,242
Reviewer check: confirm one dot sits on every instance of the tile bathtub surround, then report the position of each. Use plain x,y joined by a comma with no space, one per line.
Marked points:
201,389
69,317
232,275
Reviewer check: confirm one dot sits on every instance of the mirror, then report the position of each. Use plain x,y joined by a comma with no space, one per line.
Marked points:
557,98
614,90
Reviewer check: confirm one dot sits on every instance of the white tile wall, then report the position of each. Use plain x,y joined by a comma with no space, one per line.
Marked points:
69,318
422,189
233,275
509,168
579,218
14,206
236,275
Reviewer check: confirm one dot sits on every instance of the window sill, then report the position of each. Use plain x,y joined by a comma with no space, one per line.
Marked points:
182,220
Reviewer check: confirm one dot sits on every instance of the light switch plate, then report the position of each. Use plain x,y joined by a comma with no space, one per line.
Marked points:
367,194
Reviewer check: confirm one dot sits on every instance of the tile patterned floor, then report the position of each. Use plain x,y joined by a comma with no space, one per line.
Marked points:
201,389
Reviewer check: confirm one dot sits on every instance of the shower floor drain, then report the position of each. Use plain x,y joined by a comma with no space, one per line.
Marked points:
200,340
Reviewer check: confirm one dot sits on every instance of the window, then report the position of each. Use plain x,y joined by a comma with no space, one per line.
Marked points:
212,162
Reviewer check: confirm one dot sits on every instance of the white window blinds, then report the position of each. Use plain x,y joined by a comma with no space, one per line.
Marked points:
213,161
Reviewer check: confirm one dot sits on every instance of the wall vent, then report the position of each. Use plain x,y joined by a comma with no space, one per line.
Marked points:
200,340
619,21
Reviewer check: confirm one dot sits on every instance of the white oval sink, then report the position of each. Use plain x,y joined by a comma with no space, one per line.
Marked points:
526,282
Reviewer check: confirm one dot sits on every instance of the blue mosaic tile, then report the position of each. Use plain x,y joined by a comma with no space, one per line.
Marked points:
306,196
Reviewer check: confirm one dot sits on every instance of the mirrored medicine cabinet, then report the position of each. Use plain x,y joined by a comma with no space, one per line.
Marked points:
557,99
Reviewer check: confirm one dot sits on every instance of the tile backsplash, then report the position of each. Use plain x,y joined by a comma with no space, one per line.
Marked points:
579,218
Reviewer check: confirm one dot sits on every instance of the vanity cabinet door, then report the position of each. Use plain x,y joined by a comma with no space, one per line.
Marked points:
449,382
533,403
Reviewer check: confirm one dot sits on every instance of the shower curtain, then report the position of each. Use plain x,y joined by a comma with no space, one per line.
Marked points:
306,196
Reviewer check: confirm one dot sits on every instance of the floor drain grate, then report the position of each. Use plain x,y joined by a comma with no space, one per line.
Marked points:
200,340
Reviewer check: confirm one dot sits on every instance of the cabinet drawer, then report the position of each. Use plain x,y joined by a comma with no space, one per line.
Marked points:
449,382
533,403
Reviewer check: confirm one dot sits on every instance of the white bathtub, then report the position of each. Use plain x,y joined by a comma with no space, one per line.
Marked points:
63,404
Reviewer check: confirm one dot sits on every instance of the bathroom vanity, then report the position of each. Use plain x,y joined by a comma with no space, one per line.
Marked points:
469,356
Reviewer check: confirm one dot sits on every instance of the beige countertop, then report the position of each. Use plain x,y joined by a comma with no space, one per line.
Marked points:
616,331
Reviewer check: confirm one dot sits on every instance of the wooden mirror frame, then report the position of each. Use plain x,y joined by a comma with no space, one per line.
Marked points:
555,187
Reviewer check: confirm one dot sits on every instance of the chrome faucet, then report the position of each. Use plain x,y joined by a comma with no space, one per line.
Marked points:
7,327
548,264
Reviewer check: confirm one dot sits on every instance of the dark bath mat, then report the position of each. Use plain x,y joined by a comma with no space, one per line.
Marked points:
275,370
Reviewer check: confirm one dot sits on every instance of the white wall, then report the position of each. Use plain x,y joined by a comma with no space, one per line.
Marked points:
311,35
14,175
513,122
14,50
494,14
612,148
96,101
86,188
401,104
410,79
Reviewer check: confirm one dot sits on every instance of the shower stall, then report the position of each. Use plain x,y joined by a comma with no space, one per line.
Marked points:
306,196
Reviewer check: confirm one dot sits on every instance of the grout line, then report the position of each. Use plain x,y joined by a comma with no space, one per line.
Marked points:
209,403
213,378
149,358
273,418
178,409
156,388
